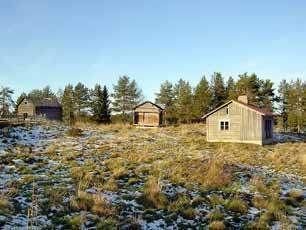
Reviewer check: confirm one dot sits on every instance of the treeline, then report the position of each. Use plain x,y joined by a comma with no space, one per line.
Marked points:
183,103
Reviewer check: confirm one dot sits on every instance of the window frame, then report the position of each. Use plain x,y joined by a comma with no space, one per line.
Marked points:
224,125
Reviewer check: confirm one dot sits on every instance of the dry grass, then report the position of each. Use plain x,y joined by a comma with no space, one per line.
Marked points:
5,205
51,150
152,194
237,205
216,225
75,132
216,176
260,202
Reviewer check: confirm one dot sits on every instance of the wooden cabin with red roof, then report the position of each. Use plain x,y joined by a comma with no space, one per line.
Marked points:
239,121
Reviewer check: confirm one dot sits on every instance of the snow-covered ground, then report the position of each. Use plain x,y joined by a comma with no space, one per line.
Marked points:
24,158
288,137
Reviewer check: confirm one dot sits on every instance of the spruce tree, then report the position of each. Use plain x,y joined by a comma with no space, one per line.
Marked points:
202,99
81,98
165,98
68,105
100,105
106,111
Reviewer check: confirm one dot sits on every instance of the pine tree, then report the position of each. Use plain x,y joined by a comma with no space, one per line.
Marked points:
38,94
231,89
202,99
165,98
100,105
283,91
6,101
81,98
183,101
126,95
249,85
218,90
295,106
68,104
266,95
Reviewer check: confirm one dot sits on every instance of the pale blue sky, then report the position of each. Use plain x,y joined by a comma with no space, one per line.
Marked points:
65,41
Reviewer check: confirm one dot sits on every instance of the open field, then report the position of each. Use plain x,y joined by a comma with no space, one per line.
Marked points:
121,177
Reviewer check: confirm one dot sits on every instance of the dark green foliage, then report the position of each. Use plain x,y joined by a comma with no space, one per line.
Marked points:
231,92
249,85
202,99
296,105
218,90
100,105
165,98
283,91
81,99
126,95
37,94
183,101
68,105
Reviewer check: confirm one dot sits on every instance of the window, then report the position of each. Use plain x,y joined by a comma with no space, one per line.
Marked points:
224,125
226,110
25,102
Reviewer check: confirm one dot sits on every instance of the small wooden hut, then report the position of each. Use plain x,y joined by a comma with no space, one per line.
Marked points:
239,121
148,114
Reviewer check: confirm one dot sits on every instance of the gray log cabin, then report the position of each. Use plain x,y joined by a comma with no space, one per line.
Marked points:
47,108
148,114
239,121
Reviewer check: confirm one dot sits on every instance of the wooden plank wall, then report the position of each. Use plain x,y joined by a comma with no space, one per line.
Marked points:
147,107
26,107
244,125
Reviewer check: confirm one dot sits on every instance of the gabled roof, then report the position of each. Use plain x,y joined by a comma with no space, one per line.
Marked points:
261,111
156,105
44,102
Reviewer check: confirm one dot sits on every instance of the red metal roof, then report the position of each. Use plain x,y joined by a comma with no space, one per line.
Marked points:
263,111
